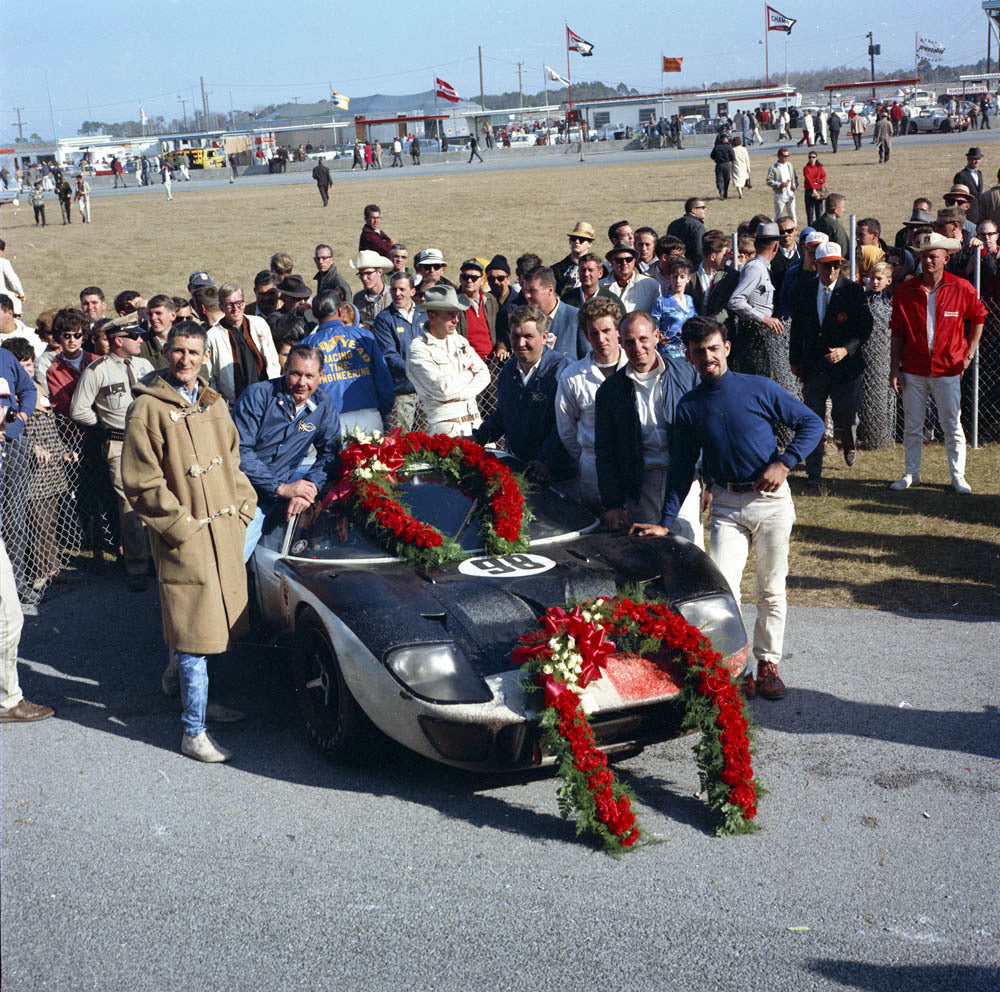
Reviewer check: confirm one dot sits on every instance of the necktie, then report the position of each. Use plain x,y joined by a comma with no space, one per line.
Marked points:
130,374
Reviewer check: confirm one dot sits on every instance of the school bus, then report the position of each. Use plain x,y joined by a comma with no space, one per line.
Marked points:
198,158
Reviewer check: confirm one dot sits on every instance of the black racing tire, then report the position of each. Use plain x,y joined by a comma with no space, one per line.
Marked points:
946,126
913,128
333,721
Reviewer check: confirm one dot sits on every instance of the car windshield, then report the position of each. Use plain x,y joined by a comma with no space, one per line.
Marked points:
331,534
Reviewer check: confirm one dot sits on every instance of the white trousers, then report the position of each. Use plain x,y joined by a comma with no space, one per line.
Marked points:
762,521
784,206
11,622
947,393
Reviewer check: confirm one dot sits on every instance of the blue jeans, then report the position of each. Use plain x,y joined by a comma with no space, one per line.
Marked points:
193,671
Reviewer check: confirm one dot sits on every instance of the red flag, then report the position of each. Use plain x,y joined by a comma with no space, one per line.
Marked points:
575,43
445,90
671,65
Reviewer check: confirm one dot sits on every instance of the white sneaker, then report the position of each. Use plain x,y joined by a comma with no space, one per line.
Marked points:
217,713
203,748
961,486
170,680
905,482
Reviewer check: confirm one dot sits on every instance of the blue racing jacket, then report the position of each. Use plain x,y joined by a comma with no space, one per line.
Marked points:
355,375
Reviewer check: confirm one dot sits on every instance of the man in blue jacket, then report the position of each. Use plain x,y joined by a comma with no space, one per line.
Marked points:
526,401
395,328
633,421
278,421
354,373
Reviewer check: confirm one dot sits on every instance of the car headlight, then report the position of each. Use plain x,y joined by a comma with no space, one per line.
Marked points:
439,673
718,618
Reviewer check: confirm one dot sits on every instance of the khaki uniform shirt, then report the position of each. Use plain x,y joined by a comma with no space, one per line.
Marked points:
104,394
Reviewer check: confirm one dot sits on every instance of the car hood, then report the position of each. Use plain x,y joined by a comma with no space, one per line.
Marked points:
391,605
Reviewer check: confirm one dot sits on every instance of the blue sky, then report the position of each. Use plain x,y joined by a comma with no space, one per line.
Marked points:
101,61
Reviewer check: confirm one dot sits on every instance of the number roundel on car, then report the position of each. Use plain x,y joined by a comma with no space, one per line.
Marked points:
506,566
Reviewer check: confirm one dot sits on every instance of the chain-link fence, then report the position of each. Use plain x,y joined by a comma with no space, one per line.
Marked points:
981,384
57,504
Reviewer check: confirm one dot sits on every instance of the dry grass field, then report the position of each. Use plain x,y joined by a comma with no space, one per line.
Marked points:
857,544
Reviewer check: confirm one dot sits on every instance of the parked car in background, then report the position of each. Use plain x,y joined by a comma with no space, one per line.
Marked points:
937,119
709,125
608,132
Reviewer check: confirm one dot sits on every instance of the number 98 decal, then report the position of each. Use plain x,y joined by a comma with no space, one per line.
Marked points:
506,566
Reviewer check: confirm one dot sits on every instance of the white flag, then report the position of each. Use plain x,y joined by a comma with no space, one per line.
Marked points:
776,21
930,50
142,116
555,77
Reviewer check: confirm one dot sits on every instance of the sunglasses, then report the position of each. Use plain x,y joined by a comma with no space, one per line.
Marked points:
578,240
134,335
72,336
470,275
830,265
433,266
622,260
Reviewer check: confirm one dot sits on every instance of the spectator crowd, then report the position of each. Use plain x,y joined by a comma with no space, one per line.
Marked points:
651,376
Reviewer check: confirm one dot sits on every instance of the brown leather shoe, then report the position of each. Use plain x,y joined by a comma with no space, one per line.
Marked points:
26,712
747,686
769,684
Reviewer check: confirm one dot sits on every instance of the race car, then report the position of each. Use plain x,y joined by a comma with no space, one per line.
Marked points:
425,655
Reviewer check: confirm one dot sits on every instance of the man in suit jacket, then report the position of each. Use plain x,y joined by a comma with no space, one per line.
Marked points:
972,177
830,323
713,283
561,320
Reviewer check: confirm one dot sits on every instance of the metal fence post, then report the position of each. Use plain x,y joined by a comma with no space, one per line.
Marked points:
736,251
853,248
975,358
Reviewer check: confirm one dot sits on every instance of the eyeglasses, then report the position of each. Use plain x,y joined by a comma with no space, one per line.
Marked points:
988,234
473,276
367,273
576,239
829,265
233,304
321,258
622,260
134,335
502,277
786,230
433,266
72,335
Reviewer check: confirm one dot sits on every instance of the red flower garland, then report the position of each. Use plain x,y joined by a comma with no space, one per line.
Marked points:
571,650
369,471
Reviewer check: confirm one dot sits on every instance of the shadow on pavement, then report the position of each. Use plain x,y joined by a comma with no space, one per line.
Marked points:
908,977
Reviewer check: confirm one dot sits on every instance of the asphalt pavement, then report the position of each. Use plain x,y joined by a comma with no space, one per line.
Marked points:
128,866
455,161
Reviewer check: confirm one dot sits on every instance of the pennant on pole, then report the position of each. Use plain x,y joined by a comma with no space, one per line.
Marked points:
555,77
142,115
445,90
575,43
776,21
671,65
340,101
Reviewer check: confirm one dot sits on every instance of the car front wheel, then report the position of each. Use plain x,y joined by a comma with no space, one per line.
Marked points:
333,721
913,128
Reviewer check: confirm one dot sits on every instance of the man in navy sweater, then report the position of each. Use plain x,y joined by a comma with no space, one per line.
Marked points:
526,401
728,419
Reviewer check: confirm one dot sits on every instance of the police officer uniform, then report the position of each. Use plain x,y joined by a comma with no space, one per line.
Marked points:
103,396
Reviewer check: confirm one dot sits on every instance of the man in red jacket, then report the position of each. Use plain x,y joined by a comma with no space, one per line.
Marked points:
930,351
373,238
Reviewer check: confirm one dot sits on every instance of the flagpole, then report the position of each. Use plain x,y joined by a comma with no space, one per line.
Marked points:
661,85
767,71
569,72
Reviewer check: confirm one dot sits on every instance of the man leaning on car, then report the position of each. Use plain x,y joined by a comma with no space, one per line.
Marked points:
278,422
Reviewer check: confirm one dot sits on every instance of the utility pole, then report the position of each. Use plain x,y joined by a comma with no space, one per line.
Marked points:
520,88
204,102
873,50
20,123
183,104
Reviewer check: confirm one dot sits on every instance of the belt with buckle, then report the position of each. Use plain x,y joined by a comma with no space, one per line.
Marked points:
113,434
737,487
468,418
